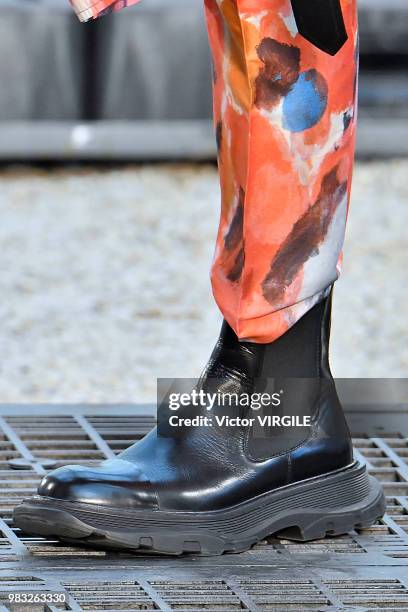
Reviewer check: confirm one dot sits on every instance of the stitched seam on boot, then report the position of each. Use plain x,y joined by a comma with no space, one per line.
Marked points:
319,402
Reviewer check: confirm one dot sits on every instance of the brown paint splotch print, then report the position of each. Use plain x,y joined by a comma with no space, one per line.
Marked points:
305,238
285,116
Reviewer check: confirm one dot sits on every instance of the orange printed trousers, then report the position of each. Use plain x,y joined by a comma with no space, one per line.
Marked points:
285,80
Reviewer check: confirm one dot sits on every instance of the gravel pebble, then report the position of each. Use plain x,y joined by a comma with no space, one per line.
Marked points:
105,279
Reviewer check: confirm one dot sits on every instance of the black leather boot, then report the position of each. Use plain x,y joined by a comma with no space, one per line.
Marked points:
220,488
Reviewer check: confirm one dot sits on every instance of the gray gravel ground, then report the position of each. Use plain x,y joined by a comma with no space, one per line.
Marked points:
104,278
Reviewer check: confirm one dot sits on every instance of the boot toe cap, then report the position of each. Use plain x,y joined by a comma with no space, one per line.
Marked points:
115,483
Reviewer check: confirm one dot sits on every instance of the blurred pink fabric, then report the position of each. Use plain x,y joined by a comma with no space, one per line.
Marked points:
91,9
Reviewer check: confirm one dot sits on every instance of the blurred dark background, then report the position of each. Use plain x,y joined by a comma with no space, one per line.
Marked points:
130,69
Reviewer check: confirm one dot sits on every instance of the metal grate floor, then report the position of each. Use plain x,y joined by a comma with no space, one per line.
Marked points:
365,570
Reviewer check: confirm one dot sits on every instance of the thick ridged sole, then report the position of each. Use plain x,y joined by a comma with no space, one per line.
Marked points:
333,504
